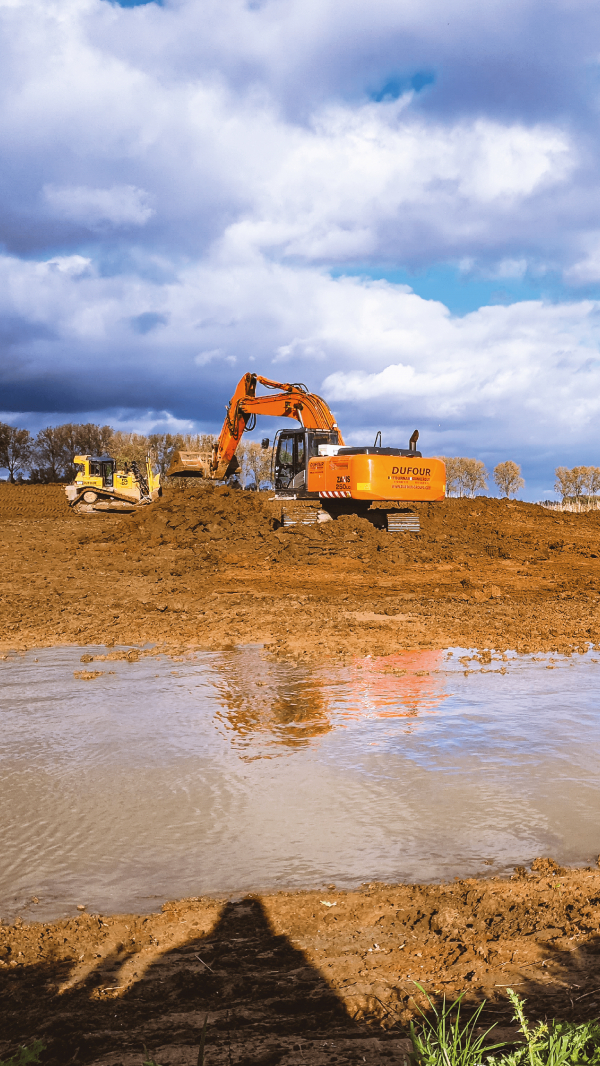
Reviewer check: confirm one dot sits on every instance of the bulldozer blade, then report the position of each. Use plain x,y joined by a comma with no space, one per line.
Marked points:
189,464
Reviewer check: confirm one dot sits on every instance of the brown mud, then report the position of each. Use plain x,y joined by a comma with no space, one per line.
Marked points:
285,978
290,979
210,567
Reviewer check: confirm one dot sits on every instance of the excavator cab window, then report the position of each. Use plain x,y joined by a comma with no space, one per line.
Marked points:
285,462
95,469
292,450
323,436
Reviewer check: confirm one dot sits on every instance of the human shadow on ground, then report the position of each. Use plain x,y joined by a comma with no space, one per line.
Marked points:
263,1001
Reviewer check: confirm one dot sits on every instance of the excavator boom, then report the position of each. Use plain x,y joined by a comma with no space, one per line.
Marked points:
290,401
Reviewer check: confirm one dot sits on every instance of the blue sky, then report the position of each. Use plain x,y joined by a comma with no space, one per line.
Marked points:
394,201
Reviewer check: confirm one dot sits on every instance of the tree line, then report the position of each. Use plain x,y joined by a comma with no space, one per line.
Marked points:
577,482
467,477
47,457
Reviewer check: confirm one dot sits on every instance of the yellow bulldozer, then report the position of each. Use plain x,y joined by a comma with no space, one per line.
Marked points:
98,485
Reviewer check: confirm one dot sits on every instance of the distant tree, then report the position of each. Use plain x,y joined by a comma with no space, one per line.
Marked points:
453,472
579,481
464,476
15,450
5,431
69,440
50,461
563,483
593,480
88,439
162,446
508,478
129,447
474,476
255,462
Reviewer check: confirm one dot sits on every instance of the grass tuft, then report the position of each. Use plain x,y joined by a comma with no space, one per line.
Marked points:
441,1040
25,1055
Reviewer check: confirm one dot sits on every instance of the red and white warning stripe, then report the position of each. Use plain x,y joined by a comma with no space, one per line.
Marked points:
338,494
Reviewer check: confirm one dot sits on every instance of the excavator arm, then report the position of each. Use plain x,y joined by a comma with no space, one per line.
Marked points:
290,401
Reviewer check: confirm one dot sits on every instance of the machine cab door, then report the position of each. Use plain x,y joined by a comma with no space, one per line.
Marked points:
290,462
103,467
292,450
108,469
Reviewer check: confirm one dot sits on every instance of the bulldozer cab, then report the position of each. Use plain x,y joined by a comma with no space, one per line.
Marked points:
99,467
291,451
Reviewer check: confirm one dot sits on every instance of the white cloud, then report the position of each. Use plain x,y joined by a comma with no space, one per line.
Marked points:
121,205
380,354
217,154
204,358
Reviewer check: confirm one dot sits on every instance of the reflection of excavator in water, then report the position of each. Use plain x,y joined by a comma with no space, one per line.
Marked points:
311,464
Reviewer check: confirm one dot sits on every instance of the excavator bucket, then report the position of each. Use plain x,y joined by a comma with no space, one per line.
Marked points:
190,464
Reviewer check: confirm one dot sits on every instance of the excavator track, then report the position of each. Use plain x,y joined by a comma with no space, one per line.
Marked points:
294,512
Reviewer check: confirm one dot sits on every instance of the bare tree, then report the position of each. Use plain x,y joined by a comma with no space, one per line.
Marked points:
255,461
564,482
162,446
129,447
593,480
453,472
464,476
508,478
5,431
579,480
474,476
48,456
15,450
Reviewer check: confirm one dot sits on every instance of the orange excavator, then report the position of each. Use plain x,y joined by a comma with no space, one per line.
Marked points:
311,462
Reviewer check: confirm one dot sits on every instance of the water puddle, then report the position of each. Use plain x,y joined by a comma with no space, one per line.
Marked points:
227,772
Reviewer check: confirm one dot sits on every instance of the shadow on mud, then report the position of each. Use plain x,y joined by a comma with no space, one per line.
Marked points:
261,996
265,1003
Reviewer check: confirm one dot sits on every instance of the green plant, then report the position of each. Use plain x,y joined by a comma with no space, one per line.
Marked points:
25,1055
442,1041
552,1043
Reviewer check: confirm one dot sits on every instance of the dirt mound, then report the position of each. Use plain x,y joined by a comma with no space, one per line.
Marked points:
211,566
306,977
192,513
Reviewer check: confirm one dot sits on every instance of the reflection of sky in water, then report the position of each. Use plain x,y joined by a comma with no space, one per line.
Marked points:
231,771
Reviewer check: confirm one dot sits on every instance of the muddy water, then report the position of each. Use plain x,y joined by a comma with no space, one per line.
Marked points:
227,772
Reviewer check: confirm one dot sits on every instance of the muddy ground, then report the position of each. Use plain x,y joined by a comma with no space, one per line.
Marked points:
304,978
210,567
285,978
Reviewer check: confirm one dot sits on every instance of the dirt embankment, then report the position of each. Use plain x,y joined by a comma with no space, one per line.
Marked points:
210,567
314,977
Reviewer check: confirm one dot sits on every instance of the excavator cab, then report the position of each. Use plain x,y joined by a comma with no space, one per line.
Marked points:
291,451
